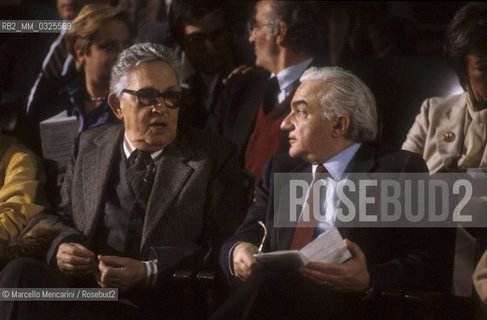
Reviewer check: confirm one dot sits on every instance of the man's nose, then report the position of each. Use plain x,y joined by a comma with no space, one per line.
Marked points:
160,106
252,37
286,124
210,46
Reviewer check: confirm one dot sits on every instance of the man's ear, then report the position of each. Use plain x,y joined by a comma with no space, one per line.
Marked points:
114,102
80,57
341,124
281,32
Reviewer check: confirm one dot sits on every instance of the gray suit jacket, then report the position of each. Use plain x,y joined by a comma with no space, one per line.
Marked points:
195,202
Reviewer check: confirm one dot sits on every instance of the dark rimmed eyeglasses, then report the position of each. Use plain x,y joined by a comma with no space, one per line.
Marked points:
150,96
253,25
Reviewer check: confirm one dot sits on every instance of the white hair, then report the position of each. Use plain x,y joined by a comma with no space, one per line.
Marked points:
134,56
347,95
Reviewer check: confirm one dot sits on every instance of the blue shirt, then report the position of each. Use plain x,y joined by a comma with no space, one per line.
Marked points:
336,166
75,90
288,77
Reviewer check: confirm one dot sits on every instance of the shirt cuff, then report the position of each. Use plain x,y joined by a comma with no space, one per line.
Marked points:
230,258
150,273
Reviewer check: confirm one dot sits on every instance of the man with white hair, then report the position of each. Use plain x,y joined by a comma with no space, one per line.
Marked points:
139,200
331,124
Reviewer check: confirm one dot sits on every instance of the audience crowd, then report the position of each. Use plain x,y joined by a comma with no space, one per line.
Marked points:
186,113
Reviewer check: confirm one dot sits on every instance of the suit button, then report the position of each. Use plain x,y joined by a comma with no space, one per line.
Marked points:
448,136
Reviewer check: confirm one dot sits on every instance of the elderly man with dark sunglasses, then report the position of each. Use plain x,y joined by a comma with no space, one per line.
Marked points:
141,199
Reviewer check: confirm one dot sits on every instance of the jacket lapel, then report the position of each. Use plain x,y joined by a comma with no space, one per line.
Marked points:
245,120
363,161
97,171
171,175
284,235
483,161
452,121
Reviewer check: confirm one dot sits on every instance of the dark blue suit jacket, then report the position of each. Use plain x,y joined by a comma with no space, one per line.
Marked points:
407,258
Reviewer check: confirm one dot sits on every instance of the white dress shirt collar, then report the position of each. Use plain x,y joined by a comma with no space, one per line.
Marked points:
337,164
128,148
287,78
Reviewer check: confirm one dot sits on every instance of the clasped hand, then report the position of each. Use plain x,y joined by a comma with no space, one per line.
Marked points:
244,262
111,271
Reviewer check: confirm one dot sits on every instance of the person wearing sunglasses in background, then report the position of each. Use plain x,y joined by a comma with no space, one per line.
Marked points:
139,200
209,52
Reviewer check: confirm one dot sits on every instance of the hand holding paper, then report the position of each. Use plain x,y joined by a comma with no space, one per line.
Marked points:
350,276
328,248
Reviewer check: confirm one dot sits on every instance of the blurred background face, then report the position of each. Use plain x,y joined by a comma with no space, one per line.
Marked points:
111,38
477,78
68,9
150,128
207,43
261,35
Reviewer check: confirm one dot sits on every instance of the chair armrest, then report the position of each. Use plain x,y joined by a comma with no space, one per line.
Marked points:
183,275
207,277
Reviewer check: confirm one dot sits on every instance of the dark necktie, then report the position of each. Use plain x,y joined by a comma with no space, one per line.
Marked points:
270,95
198,91
140,174
195,111
305,229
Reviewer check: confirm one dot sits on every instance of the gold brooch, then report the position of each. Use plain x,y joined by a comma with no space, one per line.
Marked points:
448,136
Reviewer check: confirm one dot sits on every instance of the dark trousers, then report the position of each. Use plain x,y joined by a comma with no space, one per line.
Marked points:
32,273
268,295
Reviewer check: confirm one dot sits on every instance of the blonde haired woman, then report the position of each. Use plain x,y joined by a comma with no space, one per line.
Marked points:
100,32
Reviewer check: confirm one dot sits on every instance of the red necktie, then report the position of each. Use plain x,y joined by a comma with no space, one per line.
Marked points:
305,229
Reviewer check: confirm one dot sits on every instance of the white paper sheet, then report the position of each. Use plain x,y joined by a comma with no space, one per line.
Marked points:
57,136
328,248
